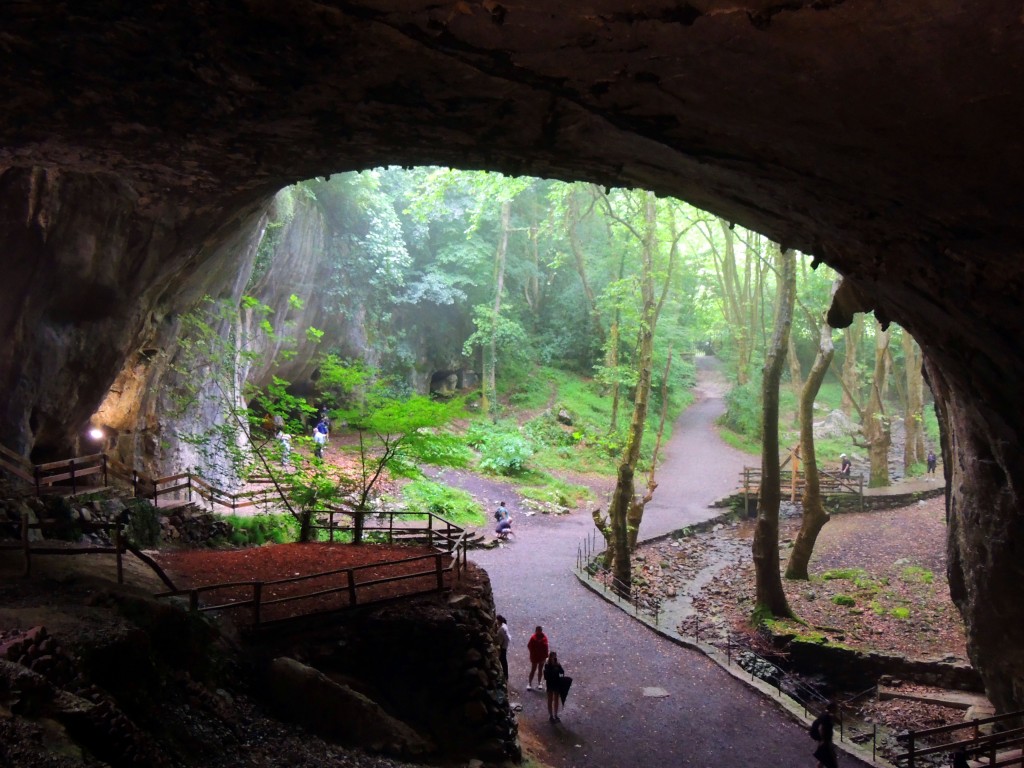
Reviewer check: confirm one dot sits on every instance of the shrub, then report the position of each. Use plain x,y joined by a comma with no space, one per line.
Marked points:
143,523
258,530
505,454
743,409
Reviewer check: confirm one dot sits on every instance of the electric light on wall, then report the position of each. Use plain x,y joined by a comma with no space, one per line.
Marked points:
96,434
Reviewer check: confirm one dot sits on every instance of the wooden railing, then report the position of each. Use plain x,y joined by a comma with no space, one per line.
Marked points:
791,483
439,533
978,746
113,530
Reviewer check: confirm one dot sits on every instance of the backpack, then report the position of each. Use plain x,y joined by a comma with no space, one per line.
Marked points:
815,731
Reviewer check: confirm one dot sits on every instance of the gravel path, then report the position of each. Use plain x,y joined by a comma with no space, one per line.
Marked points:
707,718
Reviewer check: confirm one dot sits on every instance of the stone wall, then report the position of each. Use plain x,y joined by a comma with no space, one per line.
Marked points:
429,661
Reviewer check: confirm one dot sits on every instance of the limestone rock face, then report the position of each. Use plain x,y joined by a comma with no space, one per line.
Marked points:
140,142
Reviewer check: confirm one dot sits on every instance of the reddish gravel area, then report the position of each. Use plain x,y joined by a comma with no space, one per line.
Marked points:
878,582
299,579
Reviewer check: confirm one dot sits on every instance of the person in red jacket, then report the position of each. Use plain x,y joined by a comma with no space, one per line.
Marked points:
538,647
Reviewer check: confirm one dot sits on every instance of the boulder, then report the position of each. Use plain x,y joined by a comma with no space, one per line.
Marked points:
335,711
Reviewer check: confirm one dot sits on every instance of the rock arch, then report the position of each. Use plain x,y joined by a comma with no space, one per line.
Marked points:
137,139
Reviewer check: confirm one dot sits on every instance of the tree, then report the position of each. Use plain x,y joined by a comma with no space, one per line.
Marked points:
814,516
770,598
394,431
876,423
626,508
913,446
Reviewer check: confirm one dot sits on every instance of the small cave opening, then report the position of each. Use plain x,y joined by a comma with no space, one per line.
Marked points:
445,383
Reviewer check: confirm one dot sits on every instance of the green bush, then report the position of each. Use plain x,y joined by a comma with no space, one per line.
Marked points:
143,523
743,409
843,600
260,529
505,454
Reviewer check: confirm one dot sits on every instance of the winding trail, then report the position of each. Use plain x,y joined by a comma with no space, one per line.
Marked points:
708,718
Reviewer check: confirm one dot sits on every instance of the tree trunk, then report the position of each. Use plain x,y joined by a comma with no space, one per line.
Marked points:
814,517
770,598
913,448
572,225
796,378
623,498
852,335
876,423
491,363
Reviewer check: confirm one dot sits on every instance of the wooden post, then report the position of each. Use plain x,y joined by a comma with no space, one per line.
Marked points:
391,527
257,599
862,492
24,543
439,568
188,483
351,587
795,473
120,551
71,468
430,529
105,481
35,472
330,526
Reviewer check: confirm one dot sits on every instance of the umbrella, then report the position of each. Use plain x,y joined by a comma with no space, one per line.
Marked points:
564,684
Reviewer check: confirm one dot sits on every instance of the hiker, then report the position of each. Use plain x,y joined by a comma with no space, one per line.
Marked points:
553,675
504,638
319,441
502,513
537,645
844,465
286,446
821,731
504,529
932,461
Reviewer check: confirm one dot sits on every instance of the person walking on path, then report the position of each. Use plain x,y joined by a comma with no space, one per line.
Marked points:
932,461
844,465
821,731
538,647
504,638
319,441
553,674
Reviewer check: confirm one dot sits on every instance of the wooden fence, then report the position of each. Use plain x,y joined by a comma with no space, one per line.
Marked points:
114,532
792,483
354,586
988,747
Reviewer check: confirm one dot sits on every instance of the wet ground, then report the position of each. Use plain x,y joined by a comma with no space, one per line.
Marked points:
638,699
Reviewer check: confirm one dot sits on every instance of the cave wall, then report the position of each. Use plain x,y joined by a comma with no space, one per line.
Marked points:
884,139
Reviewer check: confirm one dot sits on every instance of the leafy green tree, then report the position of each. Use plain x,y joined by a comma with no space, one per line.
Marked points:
395,432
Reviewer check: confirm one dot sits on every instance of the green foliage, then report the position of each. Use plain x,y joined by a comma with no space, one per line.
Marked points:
843,600
740,442
143,523
547,489
260,529
915,574
505,453
450,503
743,410
847,574
901,613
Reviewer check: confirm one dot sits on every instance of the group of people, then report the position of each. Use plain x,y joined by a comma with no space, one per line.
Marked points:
845,465
320,434
543,664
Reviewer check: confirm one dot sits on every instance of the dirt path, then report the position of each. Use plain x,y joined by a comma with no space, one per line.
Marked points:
706,717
